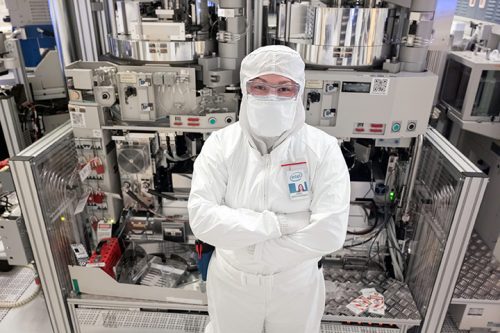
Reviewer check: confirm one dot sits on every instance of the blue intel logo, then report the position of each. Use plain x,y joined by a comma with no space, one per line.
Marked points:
296,176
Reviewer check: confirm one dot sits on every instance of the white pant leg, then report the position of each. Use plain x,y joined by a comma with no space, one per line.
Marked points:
233,307
297,301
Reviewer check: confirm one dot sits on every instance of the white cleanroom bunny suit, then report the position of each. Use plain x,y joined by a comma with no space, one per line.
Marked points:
272,207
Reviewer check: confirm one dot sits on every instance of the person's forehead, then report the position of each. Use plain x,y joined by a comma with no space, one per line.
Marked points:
274,78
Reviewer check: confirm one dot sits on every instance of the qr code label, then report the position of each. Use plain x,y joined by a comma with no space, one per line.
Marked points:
77,119
380,86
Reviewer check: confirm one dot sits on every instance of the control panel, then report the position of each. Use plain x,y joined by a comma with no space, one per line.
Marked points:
210,121
369,105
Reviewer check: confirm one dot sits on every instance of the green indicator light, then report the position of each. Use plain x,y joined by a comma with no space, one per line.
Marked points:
396,127
392,195
212,121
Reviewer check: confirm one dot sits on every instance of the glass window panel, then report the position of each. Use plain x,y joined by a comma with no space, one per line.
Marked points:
455,84
487,102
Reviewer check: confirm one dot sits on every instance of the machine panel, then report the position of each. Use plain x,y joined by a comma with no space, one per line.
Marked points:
369,105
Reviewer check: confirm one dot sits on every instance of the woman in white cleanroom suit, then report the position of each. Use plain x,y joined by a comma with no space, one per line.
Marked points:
272,195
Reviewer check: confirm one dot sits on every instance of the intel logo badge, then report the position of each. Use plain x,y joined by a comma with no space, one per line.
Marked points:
296,176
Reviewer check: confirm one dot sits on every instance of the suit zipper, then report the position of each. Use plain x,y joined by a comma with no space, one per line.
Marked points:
266,182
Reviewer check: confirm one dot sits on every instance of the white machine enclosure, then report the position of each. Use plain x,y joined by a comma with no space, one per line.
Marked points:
369,105
392,108
471,92
15,239
150,93
47,80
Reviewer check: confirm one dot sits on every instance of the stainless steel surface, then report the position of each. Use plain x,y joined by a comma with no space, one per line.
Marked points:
96,320
479,277
60,13
447,197
343,286
340,328
164,51
257,23
86,30
104,320
450,327
335,36
249,31
45,173
109,10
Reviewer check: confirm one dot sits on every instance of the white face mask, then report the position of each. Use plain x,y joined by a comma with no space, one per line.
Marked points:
270,117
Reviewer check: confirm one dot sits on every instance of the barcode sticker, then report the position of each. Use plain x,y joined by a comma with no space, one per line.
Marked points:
380,86
77,119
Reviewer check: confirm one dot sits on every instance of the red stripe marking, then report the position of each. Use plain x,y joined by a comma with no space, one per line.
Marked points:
290,164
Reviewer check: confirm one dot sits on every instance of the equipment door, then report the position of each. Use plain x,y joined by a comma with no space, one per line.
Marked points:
443,207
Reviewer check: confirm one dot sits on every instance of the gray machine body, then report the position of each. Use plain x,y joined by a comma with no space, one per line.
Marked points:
369,105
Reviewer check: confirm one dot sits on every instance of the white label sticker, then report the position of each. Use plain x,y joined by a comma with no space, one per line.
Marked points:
103,230
127,78
96,264
82,203
80,252
167,269
85,172
77,119
314,84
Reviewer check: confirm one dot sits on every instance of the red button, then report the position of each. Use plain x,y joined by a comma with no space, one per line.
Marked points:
359,129
376,130
193,124
178,124
377,125
193,119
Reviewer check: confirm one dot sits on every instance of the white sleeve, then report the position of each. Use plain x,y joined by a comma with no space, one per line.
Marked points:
211,220
327,228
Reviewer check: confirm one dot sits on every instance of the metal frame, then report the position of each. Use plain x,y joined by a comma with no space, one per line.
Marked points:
403,325
9,120
105,302
29,201
460,232
86,29
477,64
112,303
61,13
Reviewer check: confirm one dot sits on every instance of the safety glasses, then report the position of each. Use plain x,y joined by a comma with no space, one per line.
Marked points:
264,90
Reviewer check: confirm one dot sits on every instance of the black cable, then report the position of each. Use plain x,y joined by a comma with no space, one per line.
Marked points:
371,238
162,195
366,231
6,202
